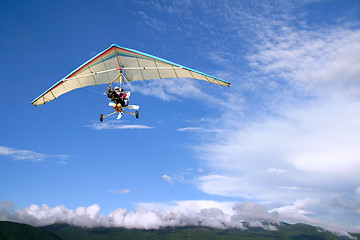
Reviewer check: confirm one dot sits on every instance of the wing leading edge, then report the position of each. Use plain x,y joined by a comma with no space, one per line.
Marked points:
105,66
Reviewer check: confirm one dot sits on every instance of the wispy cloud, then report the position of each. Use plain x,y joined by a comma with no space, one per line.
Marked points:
312,59
177,90
197,129
116,125
167,178
61,162
181,175
123,191
357,190
29,155
152,22
276,171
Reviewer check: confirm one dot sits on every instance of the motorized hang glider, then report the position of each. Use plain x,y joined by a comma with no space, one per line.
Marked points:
125,65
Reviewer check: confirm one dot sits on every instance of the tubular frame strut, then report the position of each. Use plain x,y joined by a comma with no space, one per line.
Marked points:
110,114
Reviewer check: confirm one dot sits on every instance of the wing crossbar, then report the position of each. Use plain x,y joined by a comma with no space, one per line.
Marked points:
116,69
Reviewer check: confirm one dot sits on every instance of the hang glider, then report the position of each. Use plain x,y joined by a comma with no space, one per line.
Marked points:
135,65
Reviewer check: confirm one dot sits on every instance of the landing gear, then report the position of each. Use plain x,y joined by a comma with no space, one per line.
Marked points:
120,113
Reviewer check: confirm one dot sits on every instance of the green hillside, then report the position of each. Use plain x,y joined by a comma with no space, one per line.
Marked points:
18,231
285,231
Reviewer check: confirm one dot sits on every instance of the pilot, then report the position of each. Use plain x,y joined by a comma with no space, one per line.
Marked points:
123,95
120,96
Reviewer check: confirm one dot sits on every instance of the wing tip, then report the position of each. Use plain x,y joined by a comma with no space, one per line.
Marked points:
34,101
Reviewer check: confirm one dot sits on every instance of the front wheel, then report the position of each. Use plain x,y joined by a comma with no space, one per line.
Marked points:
137,114
101,117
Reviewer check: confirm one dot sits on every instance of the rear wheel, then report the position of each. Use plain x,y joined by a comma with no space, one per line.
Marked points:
137,114
101,117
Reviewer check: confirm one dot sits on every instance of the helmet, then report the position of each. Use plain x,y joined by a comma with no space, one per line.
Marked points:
116,88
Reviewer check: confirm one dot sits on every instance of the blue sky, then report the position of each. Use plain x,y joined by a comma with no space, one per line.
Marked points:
283,138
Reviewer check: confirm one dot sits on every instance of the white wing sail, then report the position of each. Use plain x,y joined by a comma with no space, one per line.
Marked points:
105,67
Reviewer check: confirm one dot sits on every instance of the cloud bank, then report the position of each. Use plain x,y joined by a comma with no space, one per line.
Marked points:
219,215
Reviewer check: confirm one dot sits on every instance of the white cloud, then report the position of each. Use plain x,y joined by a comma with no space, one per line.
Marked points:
297,211
314,146
224,185
193,207
167,178
197,129
306,210
124,191
116,125
22,154
176,89
189,129
274,170
6,210
250,211
169,89
289,188
357,190
28,155
45,215
326,58
153,22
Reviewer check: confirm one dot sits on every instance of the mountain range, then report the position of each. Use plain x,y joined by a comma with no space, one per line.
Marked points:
18,231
